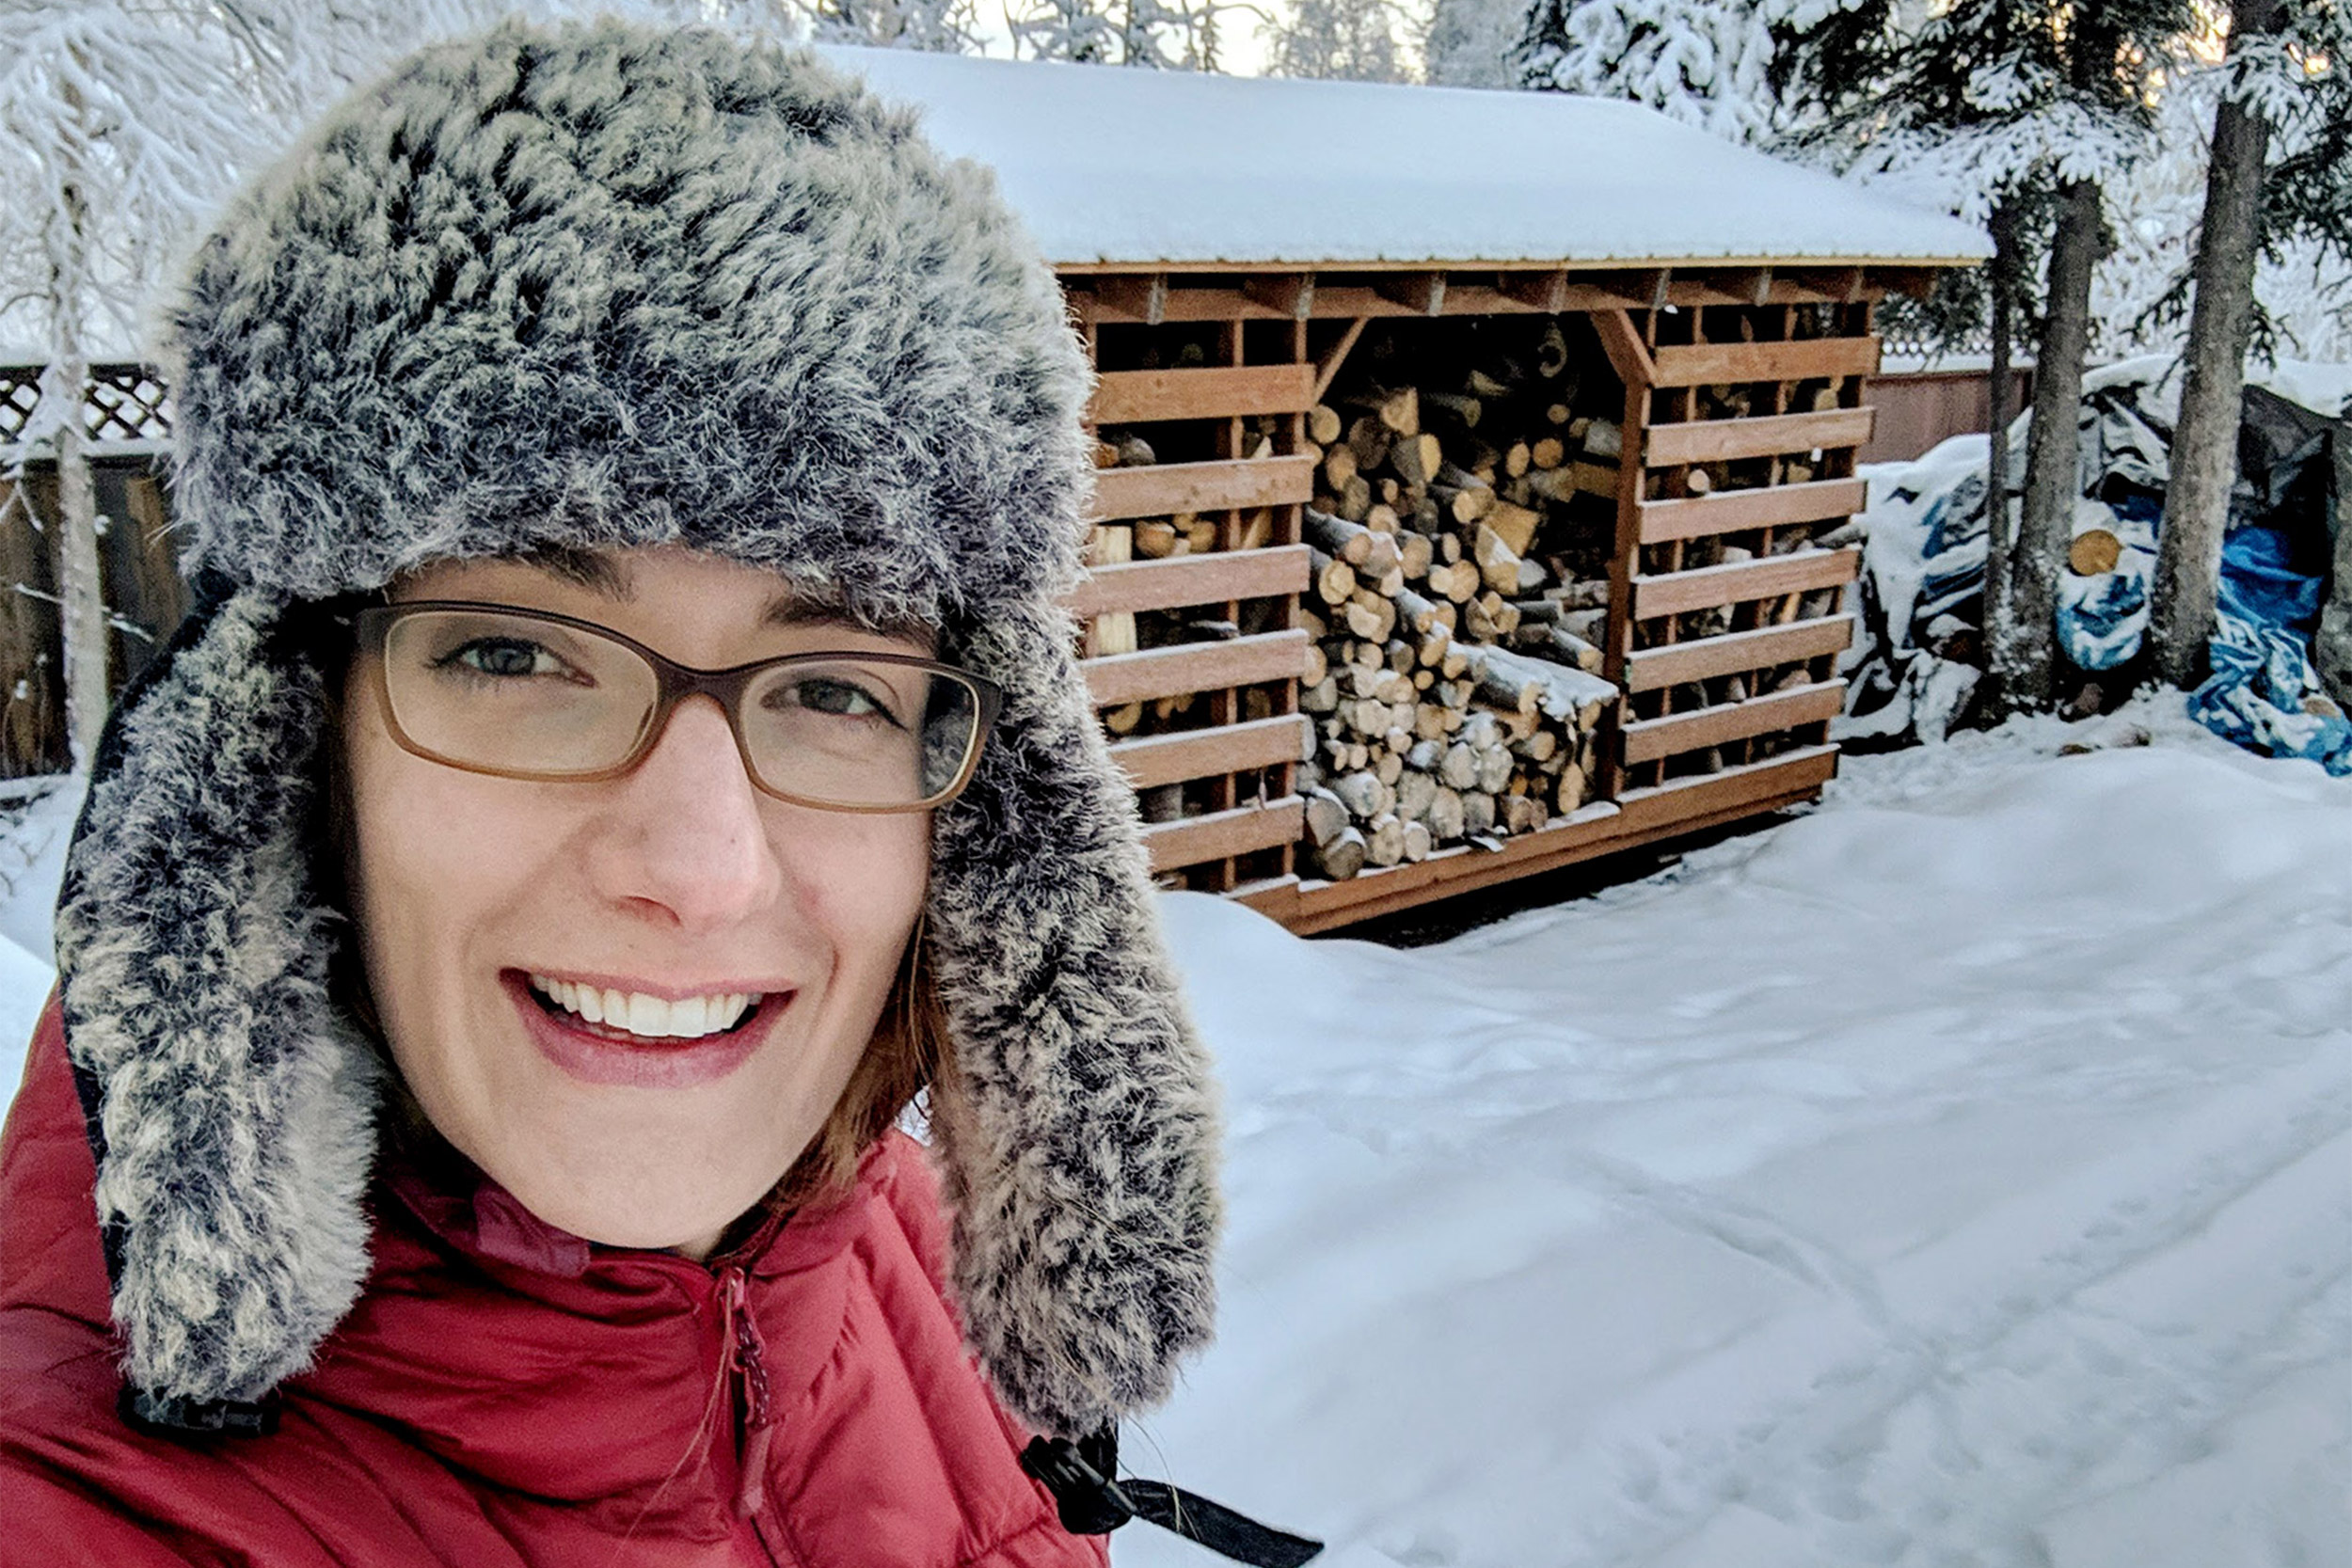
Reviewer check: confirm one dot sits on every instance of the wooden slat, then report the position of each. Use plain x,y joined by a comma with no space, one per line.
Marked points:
1169,487
1648,739
1651,669
1132,397
1683,807
1222,834
1138,677
1722,440
1674,593
1461,867
1681,804
1166,759
1704,364
1769,506
1218,577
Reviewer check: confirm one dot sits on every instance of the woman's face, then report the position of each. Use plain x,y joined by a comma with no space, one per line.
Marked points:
476,895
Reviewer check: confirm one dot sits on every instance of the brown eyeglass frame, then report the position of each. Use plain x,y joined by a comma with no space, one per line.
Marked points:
674,683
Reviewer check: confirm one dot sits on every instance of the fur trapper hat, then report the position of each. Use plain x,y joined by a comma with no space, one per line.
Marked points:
605,286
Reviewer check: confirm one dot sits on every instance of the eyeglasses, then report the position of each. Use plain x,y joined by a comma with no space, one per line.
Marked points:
526,694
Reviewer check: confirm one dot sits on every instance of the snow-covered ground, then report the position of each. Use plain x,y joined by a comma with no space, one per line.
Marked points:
1960,1173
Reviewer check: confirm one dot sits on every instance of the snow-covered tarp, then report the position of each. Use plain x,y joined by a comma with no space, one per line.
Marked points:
1156,168
1916,662
1954,1174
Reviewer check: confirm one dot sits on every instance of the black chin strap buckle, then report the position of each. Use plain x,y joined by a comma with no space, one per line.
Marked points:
187,1419
1091,1503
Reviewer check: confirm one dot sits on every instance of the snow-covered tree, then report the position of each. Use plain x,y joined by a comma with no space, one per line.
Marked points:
2280,78
2011,113
1468,44
1178,36
1705,62
1357,41
940,26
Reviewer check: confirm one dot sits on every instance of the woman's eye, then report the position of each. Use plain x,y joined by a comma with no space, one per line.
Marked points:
504,658
841,698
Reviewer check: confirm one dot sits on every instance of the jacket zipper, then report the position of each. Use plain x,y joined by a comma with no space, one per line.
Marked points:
747,1359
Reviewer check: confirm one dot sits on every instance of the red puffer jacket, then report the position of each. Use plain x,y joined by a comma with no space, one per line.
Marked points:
506,1394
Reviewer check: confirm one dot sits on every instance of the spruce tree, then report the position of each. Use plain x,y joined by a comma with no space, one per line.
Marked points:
2005,110
2285,76
1704,62
1357,40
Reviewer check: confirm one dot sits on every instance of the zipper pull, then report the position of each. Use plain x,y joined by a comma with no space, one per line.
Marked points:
749,1357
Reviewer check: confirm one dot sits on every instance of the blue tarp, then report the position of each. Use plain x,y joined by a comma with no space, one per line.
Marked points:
2264,692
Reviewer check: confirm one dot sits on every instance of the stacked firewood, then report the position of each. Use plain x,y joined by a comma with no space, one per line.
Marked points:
1457,614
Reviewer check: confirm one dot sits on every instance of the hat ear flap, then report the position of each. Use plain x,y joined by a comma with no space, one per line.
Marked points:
231,1107
1078,1130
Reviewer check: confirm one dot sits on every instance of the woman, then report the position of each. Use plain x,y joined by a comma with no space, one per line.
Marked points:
625,749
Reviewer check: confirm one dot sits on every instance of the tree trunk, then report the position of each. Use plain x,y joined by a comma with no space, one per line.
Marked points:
2026,660
80,581
2000,520
2204,444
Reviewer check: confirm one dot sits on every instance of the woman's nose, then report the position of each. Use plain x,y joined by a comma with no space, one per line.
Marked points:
686,843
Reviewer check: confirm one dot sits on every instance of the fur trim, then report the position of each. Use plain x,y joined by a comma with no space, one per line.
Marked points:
602,286
235,1108
1080,1141
609,286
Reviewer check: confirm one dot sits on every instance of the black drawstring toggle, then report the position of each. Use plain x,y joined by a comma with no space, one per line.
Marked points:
1091,1503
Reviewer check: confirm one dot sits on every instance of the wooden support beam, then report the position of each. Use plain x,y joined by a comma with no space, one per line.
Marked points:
1166,759
1329,366
1649,739
1628,354
1227,484
1547,291
1730,511
1223,834
1134,299
1422,292
1769,436
1288,294
1139,677
1129,397
1839,285
1707,364
1679,592
1736,652
1179,582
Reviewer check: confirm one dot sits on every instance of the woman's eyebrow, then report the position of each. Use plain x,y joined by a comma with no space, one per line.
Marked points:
586,569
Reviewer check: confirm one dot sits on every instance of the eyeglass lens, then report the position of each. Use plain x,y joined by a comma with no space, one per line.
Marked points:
518,695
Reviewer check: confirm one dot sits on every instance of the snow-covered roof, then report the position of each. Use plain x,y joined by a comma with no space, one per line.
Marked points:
1152,168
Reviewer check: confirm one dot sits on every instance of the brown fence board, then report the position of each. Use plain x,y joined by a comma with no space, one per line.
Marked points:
1170,487
1166,759
1707,364
1648,739
1184,580
1676,592
1770,506
1723,440
1130,397
1138,677
1222,834
1652,669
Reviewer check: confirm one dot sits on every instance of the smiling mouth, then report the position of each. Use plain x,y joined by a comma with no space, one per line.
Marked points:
632,1018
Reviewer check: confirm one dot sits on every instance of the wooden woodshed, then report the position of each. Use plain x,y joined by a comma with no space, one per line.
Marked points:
1477,465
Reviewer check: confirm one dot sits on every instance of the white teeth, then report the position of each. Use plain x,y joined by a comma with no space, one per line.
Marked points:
652,1016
